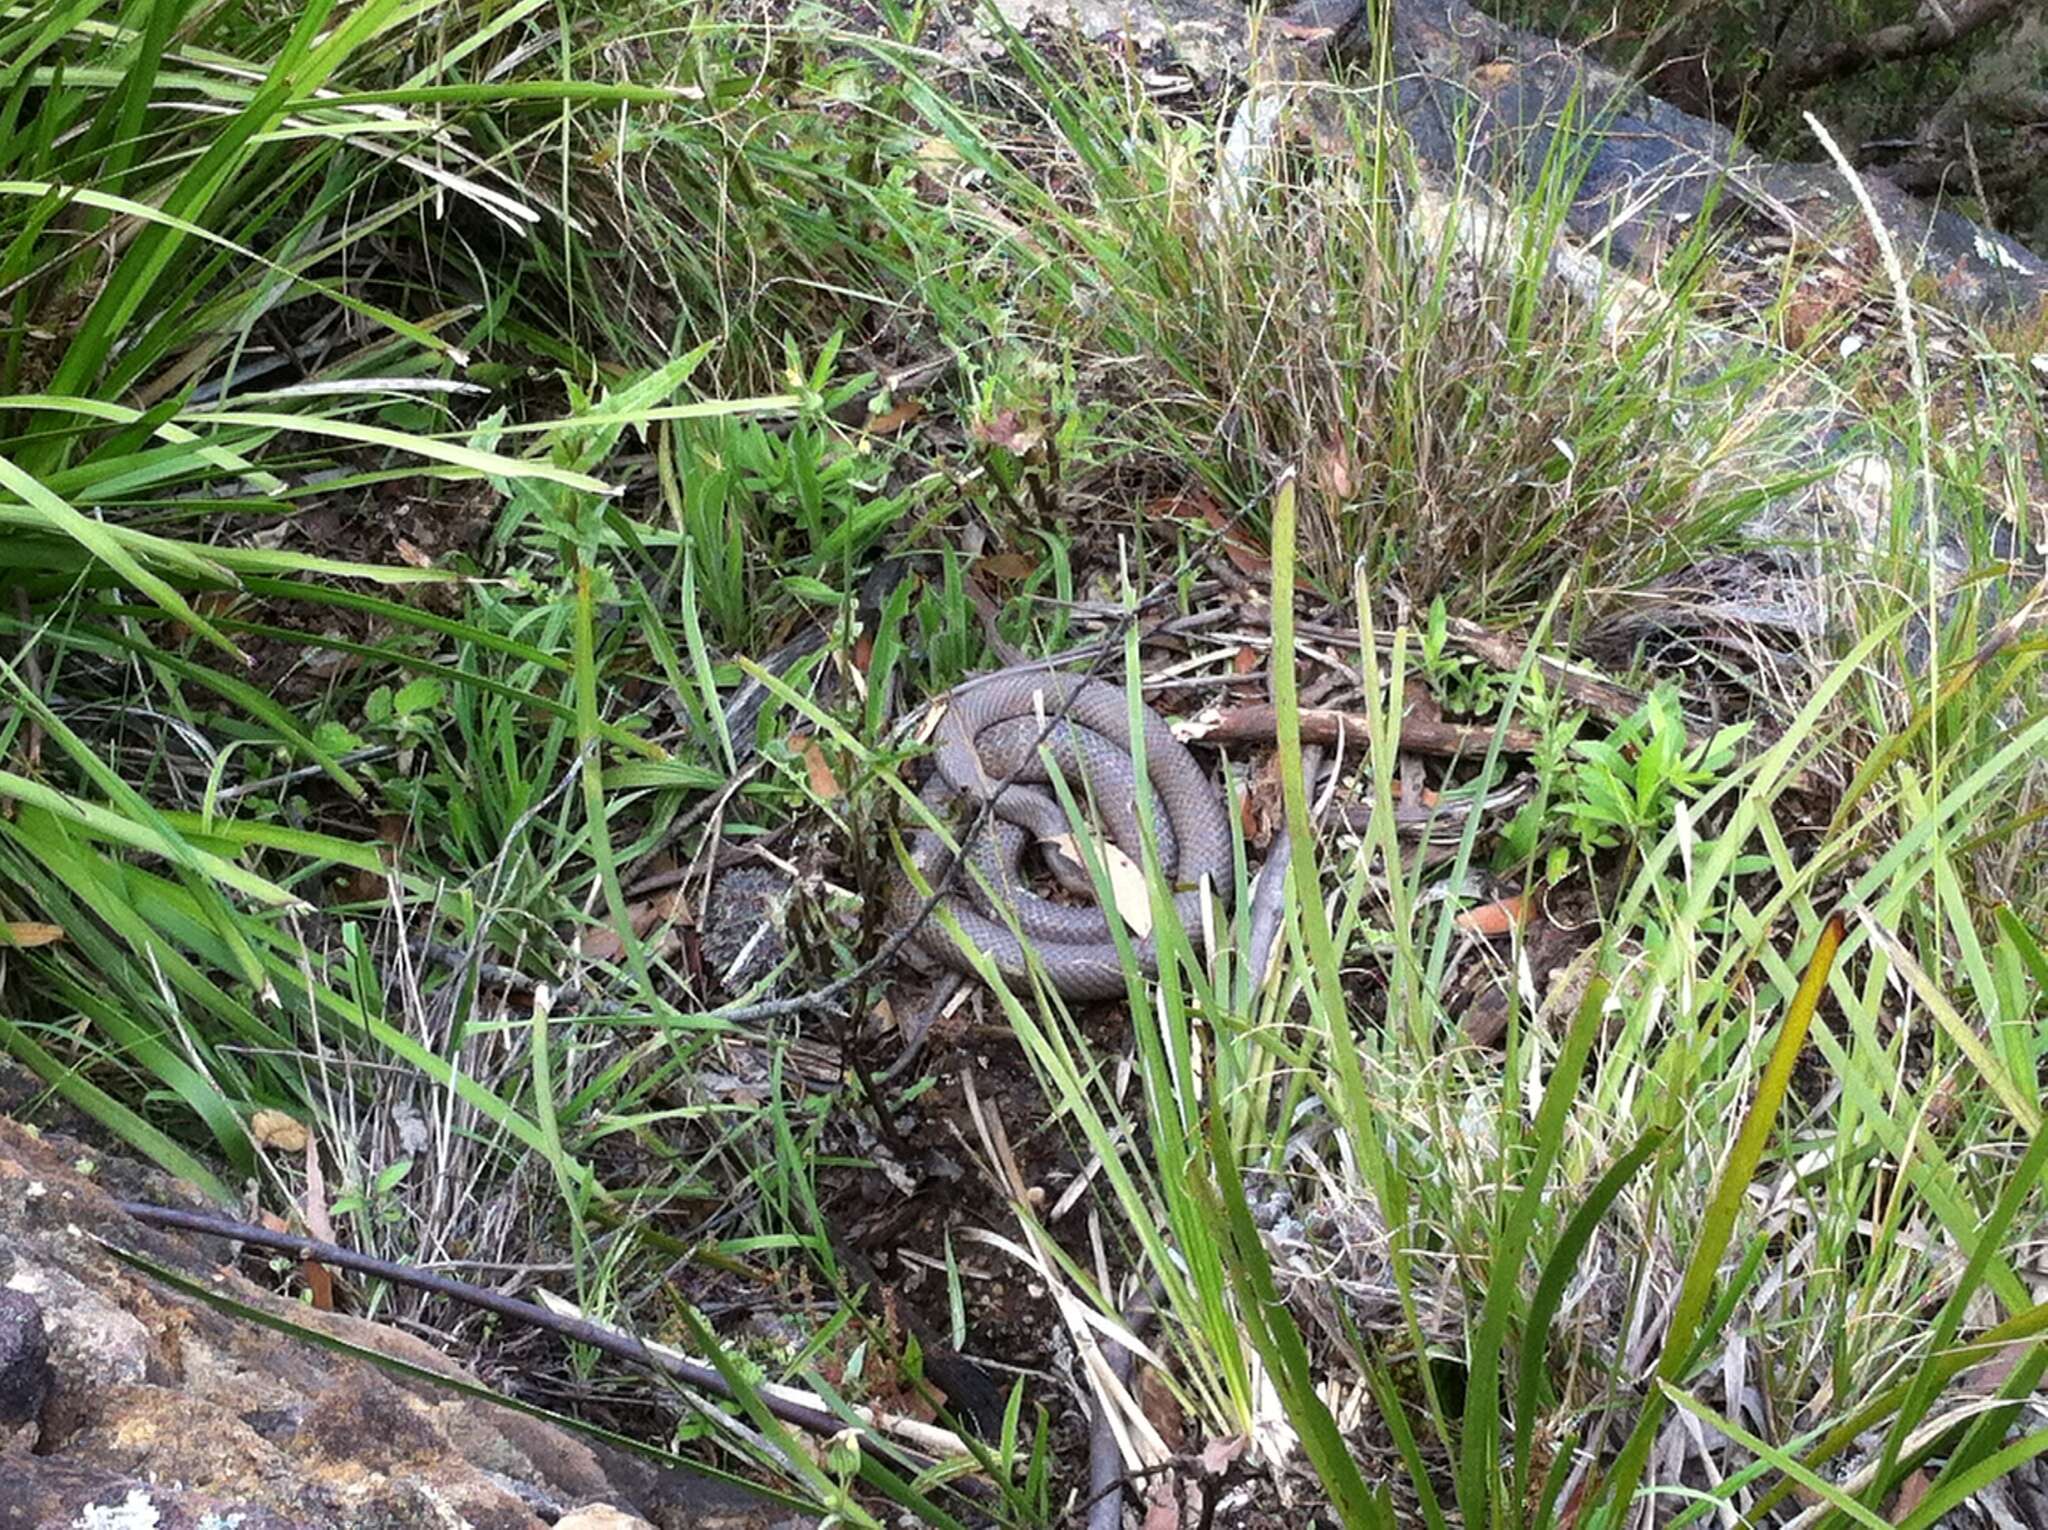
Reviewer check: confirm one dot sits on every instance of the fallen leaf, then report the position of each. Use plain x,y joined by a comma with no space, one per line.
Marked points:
893,419
413,555
1008,565
1300,32
1911,1492
1333,471
359,886
1251,818
601,942
1009,431
1576,1500
1419,703
1162,1409
319,1284
1163,1507
24,936
1244,554
275,1129
1218,1454
319,1280
824,785
1126,881
1944,1105
1494,918
1247,660
318,1277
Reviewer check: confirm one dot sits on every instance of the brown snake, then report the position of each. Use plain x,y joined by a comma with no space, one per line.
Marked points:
990,732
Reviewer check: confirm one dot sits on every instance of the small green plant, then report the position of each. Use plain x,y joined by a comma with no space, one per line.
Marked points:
407,716
1461,684
379,1200
1625,788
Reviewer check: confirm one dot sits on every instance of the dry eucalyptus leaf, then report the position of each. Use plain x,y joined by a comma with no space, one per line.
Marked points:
600,942
1126,882
25,935
824,785
891,420
1010,565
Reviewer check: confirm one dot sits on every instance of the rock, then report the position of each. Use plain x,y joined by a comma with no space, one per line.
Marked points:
1651,170
24,1361
125,1403
601,1516
1477,94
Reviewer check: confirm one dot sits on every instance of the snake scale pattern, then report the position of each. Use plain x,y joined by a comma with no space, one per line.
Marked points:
990,732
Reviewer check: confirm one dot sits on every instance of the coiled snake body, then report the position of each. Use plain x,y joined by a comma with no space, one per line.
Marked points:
990,732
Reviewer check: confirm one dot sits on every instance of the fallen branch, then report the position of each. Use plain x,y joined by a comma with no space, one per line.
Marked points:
1936,27
1444,740
695,1374
1105,1504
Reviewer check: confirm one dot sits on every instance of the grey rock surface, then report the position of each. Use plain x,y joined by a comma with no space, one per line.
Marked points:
123,1401
24,1360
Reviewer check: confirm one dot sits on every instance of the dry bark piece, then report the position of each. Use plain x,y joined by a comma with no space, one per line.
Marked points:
1442,740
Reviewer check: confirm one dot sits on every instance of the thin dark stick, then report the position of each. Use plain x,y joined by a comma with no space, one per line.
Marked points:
702,1378
1105,1462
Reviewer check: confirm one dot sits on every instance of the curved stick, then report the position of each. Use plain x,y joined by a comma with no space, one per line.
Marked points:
702,1378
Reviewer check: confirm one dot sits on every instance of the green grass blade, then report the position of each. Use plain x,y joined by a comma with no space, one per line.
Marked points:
117,1118
1718,1224
64,520
1479,1447
1558,1273
1279,1343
